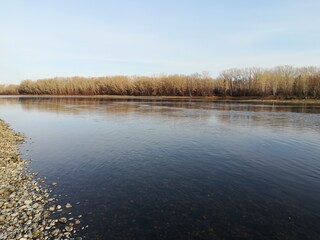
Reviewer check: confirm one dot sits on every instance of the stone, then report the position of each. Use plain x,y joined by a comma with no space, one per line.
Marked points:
52,208
68,205
63,220
55,232
27,202
36,205
36,233
68,228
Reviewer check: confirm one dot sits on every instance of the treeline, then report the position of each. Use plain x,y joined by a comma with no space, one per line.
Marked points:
279,82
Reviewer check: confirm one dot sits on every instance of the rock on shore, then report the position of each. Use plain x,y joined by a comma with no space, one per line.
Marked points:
24,202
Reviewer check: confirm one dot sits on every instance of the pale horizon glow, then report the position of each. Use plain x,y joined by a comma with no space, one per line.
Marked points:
43,39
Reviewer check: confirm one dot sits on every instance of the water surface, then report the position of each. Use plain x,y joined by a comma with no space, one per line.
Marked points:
162,169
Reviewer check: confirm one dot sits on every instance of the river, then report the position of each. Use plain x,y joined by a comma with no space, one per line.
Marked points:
176,169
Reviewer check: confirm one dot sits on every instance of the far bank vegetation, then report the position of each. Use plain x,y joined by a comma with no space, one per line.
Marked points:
278,82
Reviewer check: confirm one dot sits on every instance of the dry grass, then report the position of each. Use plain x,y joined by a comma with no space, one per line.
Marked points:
9,89
279,82
174,85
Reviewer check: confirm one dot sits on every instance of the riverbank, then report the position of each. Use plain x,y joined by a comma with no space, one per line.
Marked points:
257,100
26,207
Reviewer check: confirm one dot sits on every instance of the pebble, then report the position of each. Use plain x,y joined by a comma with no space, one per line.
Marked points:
36,205
52,208
55,232
27,202
63,220
68,228
68,205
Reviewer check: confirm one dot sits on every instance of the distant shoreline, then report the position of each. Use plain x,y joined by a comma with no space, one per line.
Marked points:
266,100
281,82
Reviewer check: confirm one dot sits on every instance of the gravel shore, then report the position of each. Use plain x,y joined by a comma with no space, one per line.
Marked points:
25,204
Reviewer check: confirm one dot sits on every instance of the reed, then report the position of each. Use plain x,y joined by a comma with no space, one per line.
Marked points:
278,82
10,89
173,85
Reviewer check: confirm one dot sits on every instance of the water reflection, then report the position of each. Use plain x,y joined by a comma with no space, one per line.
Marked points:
231,113
65,104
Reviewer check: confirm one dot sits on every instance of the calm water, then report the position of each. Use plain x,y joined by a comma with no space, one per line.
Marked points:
177,169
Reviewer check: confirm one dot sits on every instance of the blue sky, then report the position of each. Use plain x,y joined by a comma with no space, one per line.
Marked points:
45,38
